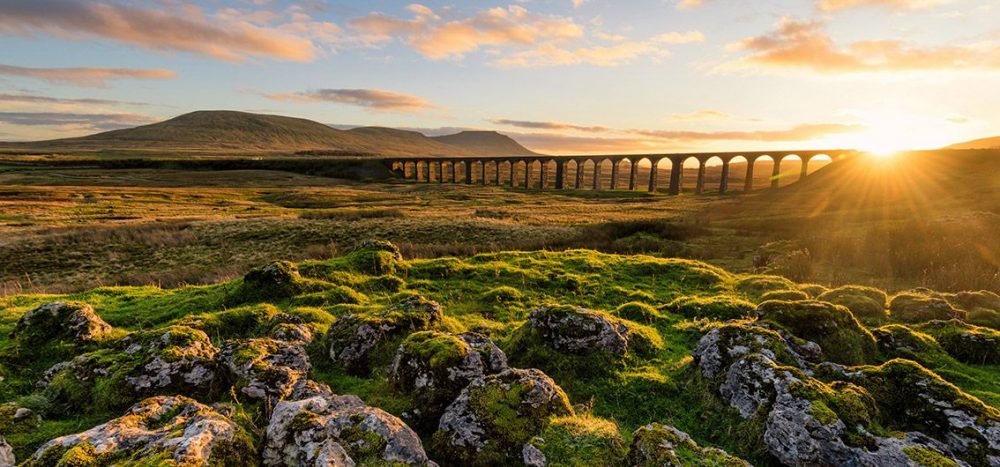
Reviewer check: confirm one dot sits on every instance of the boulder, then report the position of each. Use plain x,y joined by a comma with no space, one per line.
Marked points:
868,304
277,280
354,337
64,321
158,430
657,445
722,346
6,454
902,341
172,360
580,331
492,419
435,366
917,308
840,336
339,431
965,342
264,369
376,257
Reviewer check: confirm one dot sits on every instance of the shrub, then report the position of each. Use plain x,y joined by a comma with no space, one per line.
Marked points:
721,307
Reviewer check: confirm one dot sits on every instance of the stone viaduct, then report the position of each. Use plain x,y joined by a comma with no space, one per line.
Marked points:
570,170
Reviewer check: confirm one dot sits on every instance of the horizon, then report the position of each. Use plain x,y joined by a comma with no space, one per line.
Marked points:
685,76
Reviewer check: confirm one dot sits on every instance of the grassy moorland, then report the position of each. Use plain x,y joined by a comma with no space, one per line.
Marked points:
669,313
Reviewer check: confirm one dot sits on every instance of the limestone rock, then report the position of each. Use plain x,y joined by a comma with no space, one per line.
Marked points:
723,345
491,419
580,331
354,337
267,369
919,308
172,360
159,429
70,321
339,431
840,336
434,367
6,454
657,445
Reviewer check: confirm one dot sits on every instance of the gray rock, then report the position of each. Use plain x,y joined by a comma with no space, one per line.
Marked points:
657,445
754,382
532,456
471,432
71,321
338,430
174,427
580,331
354,337
6,454
723,345
267,369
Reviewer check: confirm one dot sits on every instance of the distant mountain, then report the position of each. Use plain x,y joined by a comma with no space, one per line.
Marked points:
487,143
231,131
983,143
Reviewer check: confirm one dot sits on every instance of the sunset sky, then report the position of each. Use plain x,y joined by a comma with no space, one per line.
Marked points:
561,76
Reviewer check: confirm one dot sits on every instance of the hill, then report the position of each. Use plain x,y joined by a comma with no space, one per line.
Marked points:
228,131
982,143
486,143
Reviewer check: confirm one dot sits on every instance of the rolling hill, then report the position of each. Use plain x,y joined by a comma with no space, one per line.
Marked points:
982,143
487,143
231,131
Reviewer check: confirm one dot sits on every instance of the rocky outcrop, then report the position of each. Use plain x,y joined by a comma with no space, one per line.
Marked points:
340,431
376,257
433,367
840,336
173,360
264,369
657,445
492,419
718,349
354,337
157,430
580,331
65,321
919,308
965,342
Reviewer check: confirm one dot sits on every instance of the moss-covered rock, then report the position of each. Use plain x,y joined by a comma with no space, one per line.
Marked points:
657,445
278,280
335,295
376,257
789,295
171,360
492,419
160,430
917,308
721,346
972,300
911,397
264,369
902,341
841,337
580,331
72,322
356,338
433,367
577,441
755,286
966,342
720,307
639,312
866,303
813,290
339,430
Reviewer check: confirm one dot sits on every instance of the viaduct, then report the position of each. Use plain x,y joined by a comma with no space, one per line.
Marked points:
570,170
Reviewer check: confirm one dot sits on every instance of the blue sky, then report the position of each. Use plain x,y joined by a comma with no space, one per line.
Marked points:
561,76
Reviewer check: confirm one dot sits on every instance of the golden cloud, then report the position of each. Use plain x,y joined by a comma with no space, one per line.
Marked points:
375,99
86,77
223,36
805,45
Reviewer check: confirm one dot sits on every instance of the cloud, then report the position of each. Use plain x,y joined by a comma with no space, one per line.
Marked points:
375,99
685,4
86,77
680,38
836,5
93,122
186,28
550,126
437,38
553,55
806,45
35,99
797,133
706,114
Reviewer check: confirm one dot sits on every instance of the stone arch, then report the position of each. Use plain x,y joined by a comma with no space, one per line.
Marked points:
587,173
603,179
689,167
759,172
663,168
643,172
713,171
789,169
570,168
534,176
624,166
816,162
738,173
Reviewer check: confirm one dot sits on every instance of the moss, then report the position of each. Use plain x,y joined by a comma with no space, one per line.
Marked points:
822,413
813,290
878,296
972,300
901,341
721,307
385,283
245,321
581,441
790,295
985,318
925,457
639,312
659,445
754,287
966,342
839,400
438,349
501,295
277,280
918,308
336,295
841,337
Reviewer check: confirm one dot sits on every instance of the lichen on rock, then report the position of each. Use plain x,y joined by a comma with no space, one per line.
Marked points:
163,429
840,336
73,322
264,369
355,338
657,445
